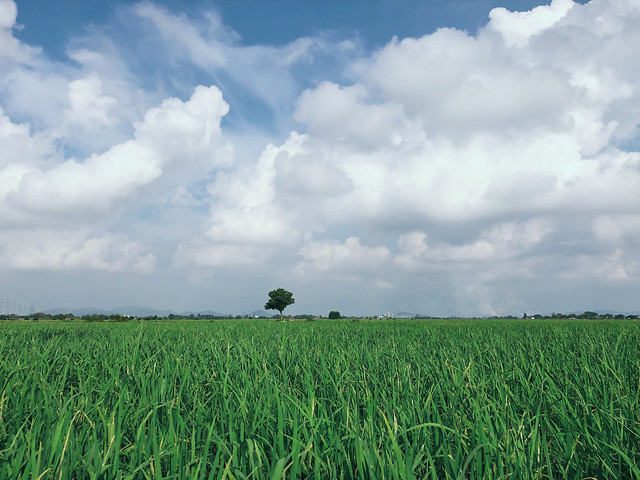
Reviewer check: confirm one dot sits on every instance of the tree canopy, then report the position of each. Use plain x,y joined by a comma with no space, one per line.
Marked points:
279,299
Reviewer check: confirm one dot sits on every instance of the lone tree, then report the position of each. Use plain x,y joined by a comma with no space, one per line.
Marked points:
279,299
334,315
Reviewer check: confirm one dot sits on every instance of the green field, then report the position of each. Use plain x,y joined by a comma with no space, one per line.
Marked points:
262,399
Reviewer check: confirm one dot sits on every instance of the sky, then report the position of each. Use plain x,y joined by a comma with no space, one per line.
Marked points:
462,158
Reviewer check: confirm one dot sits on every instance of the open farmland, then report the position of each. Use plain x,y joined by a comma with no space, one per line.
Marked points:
262,399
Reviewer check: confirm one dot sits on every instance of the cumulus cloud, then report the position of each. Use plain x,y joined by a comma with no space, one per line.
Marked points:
19,147
342,114
12,50
342,257
8,14
90,155
88,106
517,28
176,132
176,135
88,188
246,224
186,132
41,249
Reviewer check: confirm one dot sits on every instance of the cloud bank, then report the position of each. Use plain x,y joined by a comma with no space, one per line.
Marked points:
454,173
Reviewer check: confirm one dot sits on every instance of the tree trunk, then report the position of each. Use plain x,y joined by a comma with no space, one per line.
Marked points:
281,319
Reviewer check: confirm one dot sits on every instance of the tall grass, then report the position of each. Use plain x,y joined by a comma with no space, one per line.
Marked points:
396,400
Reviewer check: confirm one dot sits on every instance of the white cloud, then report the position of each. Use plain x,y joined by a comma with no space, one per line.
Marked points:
88,106
12,50
19,148
92,187
93,107
176,133
342,114
502,242
8,14
186,132
350,256
518,27
458,85
614,267
177,136
617,229
246,224
39,249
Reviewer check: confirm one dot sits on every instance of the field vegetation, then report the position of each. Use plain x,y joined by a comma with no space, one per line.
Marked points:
439,399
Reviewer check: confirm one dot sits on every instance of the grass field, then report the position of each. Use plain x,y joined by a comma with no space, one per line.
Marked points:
262,399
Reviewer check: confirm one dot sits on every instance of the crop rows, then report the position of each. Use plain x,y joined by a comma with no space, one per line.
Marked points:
400,400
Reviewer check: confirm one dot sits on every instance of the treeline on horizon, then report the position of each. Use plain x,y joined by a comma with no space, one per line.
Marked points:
40,316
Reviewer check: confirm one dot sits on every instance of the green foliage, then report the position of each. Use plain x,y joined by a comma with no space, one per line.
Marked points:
66,317
334,314
279,299
445,399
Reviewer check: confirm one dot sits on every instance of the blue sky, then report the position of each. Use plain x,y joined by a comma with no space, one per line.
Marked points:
53,24
450,158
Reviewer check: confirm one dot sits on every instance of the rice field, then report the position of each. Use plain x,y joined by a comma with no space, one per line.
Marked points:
446,399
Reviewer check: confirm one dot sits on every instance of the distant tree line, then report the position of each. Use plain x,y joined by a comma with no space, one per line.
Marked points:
308,317
585,315
68,317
